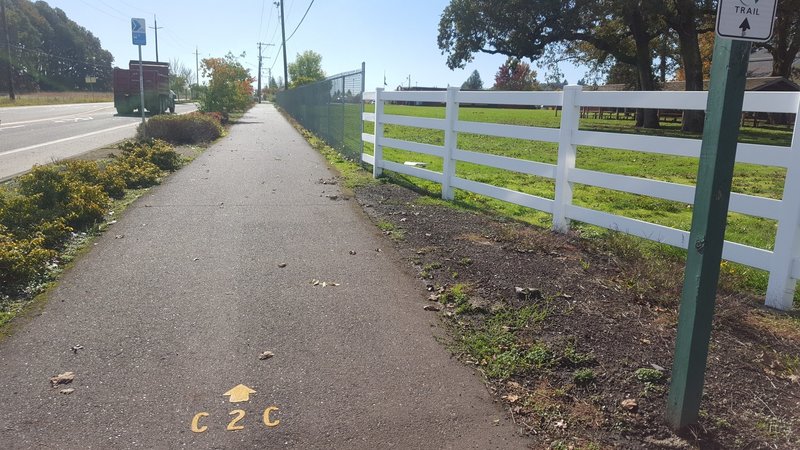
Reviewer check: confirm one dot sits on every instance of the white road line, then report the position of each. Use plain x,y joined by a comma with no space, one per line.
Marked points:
10,128
58,141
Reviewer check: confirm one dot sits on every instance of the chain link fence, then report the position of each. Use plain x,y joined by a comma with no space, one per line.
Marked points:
331,109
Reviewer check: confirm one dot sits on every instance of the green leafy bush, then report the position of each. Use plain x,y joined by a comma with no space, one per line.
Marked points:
54,193
87,205
183,129
155,151
22,261
91,172
136,172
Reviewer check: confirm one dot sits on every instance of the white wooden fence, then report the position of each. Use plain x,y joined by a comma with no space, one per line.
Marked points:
783,263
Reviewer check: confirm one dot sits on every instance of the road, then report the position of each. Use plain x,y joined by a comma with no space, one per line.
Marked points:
171,309
42,134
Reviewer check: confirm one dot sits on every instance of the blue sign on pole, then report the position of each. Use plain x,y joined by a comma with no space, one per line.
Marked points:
139,32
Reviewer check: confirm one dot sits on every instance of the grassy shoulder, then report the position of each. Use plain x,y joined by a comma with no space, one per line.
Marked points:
56,98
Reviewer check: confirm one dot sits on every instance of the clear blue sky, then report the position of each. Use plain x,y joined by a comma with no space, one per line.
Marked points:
394,37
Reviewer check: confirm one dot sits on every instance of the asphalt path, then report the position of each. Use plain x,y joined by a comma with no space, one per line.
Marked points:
42,134
242,252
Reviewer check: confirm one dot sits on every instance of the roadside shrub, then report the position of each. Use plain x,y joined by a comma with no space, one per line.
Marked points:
91,172
87,205
47,187
22,261
184,129
136,172
55,232
18,213
155,151
54,193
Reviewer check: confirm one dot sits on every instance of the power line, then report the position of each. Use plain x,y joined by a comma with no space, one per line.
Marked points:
261,19
301,20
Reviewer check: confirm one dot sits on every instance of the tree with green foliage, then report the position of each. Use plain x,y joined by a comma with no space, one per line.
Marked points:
306,69
179,77
515,75
51,52
474,82
230,86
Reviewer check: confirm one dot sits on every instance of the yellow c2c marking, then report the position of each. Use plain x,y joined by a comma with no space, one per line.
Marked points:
195,422
267,421
232,424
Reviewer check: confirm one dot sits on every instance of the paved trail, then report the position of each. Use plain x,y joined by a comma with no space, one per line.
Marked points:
176,301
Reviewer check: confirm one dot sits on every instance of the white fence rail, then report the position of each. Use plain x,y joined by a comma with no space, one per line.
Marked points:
783,264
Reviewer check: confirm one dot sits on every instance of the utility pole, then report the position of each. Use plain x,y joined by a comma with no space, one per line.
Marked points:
285,66
156,27
261,44
11,93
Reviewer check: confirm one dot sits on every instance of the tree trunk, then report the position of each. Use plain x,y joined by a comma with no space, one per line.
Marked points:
786,39
685,26
645,118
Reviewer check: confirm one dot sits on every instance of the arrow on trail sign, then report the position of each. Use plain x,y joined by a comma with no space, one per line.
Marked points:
745,26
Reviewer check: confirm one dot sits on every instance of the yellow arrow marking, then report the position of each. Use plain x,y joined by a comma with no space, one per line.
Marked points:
240,393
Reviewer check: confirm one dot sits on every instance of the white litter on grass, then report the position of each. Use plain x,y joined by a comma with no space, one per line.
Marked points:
415,164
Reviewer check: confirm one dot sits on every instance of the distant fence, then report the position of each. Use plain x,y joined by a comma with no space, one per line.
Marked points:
331,109
783,263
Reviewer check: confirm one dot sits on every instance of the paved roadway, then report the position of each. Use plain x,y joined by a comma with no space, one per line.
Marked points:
42,134
172,307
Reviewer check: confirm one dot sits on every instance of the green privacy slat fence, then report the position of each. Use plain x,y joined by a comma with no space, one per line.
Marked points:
331,109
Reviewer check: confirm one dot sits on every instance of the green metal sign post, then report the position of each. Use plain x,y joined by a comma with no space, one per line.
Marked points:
714,176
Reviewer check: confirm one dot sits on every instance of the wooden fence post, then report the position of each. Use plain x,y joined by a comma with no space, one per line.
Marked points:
450,143
782,284
377,164
570,119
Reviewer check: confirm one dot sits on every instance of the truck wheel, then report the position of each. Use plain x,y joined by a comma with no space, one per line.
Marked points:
172,108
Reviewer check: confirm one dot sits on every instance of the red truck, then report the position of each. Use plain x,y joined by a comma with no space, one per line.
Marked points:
157,96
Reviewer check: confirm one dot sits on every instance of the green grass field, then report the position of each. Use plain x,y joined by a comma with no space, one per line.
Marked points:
56,98
748,179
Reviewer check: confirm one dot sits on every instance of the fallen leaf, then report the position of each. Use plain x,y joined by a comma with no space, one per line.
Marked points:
431,307
630,404
64,378
67,391
352,252
794,379
561,424
266,355
315,282
196,259
282,265
434,297
119,236
324,284
75,348
511,398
